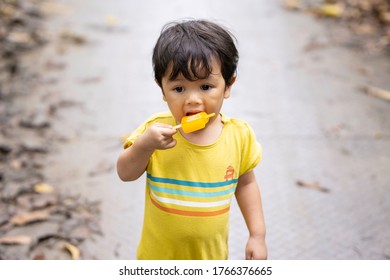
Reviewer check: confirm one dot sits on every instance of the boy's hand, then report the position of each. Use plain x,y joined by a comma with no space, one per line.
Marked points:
158,136
256,248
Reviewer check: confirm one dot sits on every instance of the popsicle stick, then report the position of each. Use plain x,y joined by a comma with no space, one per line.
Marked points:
177,126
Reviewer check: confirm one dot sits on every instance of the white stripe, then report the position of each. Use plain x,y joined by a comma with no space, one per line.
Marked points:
191,203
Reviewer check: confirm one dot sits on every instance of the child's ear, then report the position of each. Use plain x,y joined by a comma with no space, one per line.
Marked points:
160,86
229,87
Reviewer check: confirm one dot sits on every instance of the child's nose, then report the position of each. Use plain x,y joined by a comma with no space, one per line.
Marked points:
194,97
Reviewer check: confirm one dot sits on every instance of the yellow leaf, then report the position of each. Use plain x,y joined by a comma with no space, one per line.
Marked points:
73,250
331,10
43,188
111,20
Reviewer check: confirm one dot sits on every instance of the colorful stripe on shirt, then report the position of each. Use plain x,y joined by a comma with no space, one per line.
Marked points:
191,198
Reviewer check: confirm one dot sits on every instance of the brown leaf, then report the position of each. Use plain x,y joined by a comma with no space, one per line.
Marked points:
81,233
90,80
29,217
292,4
34,201
74,38
315,185
15,240
20,37
39,256
337,128
55,8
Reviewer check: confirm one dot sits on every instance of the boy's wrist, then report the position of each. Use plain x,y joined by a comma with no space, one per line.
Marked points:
257,235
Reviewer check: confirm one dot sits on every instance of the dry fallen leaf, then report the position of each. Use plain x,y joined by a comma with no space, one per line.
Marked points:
73,250
111,20
337,128
72,37
377,92
43,188
312,185
15,240
20,37
378,135
55,8
29,217
39,256
331,10
292,4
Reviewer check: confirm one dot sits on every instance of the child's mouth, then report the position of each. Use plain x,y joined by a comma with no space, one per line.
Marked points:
191,113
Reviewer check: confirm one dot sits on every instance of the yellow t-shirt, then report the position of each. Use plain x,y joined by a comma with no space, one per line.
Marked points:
189,190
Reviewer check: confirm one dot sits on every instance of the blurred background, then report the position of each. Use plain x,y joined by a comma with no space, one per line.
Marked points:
313,82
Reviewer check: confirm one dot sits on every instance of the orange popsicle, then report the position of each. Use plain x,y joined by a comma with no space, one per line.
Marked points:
194,122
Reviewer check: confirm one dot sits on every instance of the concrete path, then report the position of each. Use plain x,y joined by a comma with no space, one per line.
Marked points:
306,108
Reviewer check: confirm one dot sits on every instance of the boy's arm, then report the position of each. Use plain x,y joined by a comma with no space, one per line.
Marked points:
132,162
249,200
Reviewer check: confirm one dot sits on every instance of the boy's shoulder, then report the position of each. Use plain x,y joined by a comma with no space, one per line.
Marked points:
162,117
234,122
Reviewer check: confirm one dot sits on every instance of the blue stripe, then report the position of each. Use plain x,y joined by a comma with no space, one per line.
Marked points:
191,194
190,183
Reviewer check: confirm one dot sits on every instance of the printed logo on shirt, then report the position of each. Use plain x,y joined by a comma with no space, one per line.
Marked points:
229,175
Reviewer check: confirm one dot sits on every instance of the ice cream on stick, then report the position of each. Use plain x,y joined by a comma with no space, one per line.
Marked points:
194,122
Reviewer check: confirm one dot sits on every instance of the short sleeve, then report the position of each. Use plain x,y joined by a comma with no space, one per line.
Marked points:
164,117
133,136
251,151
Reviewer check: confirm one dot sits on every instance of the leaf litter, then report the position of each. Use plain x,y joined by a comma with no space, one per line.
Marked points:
37,220
367,20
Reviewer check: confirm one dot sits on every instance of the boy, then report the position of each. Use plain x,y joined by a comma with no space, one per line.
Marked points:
191,177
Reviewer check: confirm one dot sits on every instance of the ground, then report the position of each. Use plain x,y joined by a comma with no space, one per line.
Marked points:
313,91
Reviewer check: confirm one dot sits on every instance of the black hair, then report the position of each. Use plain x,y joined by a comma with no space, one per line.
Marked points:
189,47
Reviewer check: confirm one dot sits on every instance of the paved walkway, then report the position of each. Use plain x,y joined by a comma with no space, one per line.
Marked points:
305,107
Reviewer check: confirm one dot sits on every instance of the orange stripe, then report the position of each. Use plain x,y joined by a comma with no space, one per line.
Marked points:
190,213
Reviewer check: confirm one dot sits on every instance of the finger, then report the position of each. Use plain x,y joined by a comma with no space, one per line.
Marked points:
168,131
170,144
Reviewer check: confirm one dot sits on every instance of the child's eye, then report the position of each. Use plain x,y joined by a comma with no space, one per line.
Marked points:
178,89
205,87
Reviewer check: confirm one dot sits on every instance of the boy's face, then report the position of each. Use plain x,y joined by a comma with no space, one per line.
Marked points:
185,97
